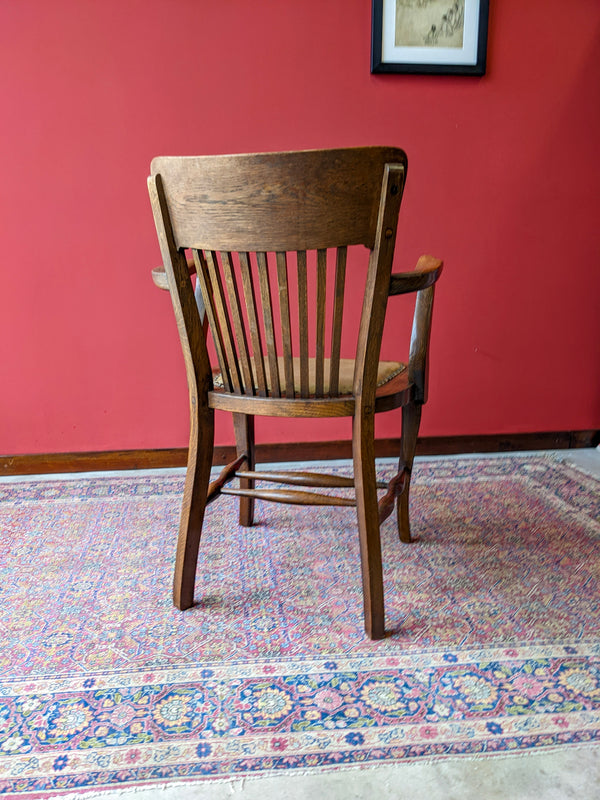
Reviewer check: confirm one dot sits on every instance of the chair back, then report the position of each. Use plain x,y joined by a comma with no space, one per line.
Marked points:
269,235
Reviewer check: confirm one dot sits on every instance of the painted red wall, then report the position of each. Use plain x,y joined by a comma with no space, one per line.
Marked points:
503,183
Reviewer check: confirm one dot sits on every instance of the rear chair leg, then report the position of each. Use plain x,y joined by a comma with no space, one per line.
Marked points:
195,491
243,425
411,419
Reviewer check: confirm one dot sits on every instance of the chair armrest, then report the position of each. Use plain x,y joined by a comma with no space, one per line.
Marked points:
425,274
159,276
422,281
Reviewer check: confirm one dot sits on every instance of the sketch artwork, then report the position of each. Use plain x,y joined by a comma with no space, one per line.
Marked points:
430,23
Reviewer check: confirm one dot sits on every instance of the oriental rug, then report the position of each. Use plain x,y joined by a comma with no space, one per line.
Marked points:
493,619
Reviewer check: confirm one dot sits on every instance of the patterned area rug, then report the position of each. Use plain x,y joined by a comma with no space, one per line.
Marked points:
493,620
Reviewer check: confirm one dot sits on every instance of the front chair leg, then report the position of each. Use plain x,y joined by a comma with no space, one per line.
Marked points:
195,492
411,419
243,425
368,524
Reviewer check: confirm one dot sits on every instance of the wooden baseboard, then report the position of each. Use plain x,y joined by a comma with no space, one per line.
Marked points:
38,464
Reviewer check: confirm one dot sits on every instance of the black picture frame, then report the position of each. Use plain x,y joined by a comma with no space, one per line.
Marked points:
430,58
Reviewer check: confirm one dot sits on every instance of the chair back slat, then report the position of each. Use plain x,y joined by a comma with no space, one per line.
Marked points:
251,310
267,307
336,328
224,321
206,288
303,321
286,330
241,338
320,333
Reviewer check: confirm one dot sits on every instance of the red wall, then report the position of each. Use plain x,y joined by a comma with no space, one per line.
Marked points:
503,183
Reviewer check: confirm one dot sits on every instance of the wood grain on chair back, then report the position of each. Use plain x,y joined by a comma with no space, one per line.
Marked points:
275,201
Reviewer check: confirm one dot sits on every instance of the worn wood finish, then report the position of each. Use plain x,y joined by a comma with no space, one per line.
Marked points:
425,274
282,406
429,269
292,497
199,377
211,315
195,494
313,479
159,275
243,425
336,329
303,321
395,488
228,473
239,327
251,309
269,325
286,328
419,344
267,215
299,200
223,323
411,419
393,394
363,430
320,334
363,456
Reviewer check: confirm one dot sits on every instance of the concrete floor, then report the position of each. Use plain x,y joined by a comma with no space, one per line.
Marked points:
570,772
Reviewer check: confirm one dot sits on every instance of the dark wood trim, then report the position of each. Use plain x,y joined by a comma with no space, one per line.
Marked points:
46,463
39,464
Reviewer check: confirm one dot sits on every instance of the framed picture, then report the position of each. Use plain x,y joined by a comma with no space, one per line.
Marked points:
435,37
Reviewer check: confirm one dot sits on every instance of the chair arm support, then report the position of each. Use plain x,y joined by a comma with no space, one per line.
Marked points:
418,360
159,276
425,274
421,280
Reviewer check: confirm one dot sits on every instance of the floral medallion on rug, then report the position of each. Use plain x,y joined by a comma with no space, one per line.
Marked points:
493,619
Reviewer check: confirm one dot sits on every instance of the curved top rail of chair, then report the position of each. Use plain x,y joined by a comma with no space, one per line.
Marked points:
209,196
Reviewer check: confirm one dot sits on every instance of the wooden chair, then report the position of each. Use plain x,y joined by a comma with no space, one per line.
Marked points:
267,234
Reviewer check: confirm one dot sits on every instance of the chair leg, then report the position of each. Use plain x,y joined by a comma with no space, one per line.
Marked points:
363,451
192,510
411,419
244,443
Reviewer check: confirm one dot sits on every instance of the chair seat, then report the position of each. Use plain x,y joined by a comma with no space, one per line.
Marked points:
386,371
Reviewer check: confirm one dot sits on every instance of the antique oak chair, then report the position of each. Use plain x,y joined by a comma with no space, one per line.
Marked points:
268,236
